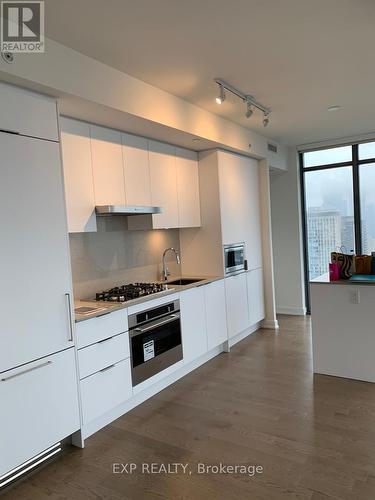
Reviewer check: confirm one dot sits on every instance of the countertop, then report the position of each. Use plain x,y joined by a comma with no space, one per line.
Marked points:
324,280
102,308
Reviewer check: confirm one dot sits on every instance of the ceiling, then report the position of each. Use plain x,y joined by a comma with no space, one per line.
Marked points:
298,57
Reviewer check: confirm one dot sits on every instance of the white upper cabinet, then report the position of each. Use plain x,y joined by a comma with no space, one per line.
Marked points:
216,317
237,305
136,170
79,186
34,263
163,184
107,166
255,296
240,204
188,188
28,113
193,323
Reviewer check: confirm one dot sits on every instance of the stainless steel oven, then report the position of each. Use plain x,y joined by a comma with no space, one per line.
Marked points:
234,259
155,340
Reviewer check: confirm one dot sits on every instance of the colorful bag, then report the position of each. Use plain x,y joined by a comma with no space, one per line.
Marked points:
345,263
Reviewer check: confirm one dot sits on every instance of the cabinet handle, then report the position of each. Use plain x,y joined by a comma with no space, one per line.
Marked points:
105,340
67,295
107,368
26,371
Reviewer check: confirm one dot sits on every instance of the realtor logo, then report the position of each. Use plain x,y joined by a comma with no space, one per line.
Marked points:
22,26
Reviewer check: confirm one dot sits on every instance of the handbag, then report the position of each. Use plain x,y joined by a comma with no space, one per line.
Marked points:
362,264
344,262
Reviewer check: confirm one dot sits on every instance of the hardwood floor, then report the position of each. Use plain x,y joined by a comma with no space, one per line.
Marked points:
314,436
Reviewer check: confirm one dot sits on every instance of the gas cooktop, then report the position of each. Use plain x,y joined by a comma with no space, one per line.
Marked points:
131,291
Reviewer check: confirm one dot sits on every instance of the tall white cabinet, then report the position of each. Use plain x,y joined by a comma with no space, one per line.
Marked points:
38,386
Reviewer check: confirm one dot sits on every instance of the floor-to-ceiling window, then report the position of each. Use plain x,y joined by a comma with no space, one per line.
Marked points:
338,191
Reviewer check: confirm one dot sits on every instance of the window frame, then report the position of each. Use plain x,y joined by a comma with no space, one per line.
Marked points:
355,164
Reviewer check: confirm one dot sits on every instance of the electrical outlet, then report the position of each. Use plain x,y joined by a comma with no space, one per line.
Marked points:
355,297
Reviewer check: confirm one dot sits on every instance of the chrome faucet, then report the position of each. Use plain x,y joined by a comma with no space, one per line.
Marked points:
166,272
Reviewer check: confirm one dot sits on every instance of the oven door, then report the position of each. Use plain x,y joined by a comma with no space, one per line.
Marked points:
155,346
234,258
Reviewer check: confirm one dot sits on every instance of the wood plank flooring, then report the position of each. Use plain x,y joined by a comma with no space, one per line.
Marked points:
314,436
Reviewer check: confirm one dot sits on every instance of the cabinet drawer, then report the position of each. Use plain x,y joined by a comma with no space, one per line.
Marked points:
105,390
39,407
105,353
100,328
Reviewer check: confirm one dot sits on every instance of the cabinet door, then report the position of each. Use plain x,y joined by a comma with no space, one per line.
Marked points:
34,261
255,296
189,214
216,317
79,185
193,323
163,184
107,166
240,204
136,170
39,407
237,307
28,113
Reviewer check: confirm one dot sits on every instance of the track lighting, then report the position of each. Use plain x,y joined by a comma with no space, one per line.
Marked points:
249,100
221,97
249,109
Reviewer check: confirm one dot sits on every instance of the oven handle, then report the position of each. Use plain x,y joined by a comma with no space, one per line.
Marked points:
154,325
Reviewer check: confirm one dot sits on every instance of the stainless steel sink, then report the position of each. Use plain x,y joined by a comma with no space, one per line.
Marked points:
184,281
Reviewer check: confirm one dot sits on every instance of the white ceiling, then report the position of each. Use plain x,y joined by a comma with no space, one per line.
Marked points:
296,56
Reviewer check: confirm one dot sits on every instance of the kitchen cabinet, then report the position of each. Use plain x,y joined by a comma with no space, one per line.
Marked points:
255,296
193,323
216,317
107,166
28,113
136,170
106,389
100,328
189,214
163,180
240,204
236,304
78,176
39,407
34,264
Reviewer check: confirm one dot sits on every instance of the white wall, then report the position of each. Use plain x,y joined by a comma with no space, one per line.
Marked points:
287,238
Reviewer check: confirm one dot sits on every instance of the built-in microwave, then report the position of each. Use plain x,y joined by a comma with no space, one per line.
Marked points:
234,259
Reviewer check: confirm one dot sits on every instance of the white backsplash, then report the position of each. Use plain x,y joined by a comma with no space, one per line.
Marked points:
114,255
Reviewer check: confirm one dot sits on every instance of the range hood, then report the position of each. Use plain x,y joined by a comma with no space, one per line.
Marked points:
105,210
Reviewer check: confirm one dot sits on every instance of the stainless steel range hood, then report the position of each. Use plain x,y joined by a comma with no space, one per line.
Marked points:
105,210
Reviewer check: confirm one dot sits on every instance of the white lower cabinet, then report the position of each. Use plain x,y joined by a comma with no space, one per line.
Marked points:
255,296
103,327
216,316
193,323
237,305
105,390
39,407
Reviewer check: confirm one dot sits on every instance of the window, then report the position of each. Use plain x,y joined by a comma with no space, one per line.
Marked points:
339,204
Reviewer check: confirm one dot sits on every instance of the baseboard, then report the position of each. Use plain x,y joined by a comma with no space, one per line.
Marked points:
293,311
243,335
270,324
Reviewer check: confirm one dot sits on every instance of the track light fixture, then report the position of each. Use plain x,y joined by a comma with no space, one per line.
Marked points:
250,101
249,109
221,97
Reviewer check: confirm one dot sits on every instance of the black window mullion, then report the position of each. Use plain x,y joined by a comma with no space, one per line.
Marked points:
357,202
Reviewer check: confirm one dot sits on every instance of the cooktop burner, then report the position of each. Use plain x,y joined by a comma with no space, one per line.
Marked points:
131,291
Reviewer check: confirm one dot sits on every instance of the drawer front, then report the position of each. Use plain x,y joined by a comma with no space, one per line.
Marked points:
93,330
95,357
105,390
39,407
